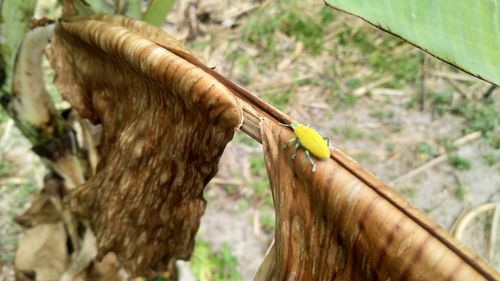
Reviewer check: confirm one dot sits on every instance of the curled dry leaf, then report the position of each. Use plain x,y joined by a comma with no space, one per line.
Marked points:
165,124
330,225
42,253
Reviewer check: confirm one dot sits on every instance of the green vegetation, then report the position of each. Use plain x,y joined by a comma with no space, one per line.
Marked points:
268,221
157,11
3,115
405,67
279,100
382,115
286,16
7,242
350,133
416,22
491,158
363,156
459,163
483,117
390,147
441,102
15,197
381,58
426,149
461,192
14,25
449,146
210,265
5,169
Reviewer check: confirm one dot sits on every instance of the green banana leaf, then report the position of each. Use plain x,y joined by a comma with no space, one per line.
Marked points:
464,33
157,11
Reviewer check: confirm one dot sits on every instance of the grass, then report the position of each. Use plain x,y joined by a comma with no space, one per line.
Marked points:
491,158
5,169
3,115
279,100
364,156
449,146
7,243
483,117
461,192
404,66
210,265
268,222
286,16
349,132
459,163
426,150
19,196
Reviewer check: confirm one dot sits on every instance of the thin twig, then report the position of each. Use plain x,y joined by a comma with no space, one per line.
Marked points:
368,87
279,84
388,92
458,87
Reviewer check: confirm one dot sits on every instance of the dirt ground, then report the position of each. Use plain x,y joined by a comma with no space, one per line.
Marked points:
393,108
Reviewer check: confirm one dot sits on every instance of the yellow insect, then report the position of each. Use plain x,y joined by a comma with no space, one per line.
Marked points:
312,142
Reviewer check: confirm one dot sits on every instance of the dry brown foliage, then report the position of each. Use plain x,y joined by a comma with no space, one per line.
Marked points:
165,125
330,225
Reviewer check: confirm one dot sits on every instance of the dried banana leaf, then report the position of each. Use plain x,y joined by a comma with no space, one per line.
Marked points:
165,125
334,225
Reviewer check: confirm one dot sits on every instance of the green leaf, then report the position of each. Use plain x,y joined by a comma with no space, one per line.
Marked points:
157,11
15,16
134,9
464,33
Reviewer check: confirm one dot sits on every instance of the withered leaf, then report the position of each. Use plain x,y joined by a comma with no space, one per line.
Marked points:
330,225
165,125
42,253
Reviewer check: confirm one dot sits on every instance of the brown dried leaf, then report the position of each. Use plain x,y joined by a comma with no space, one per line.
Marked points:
42,253
165,125
330,225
